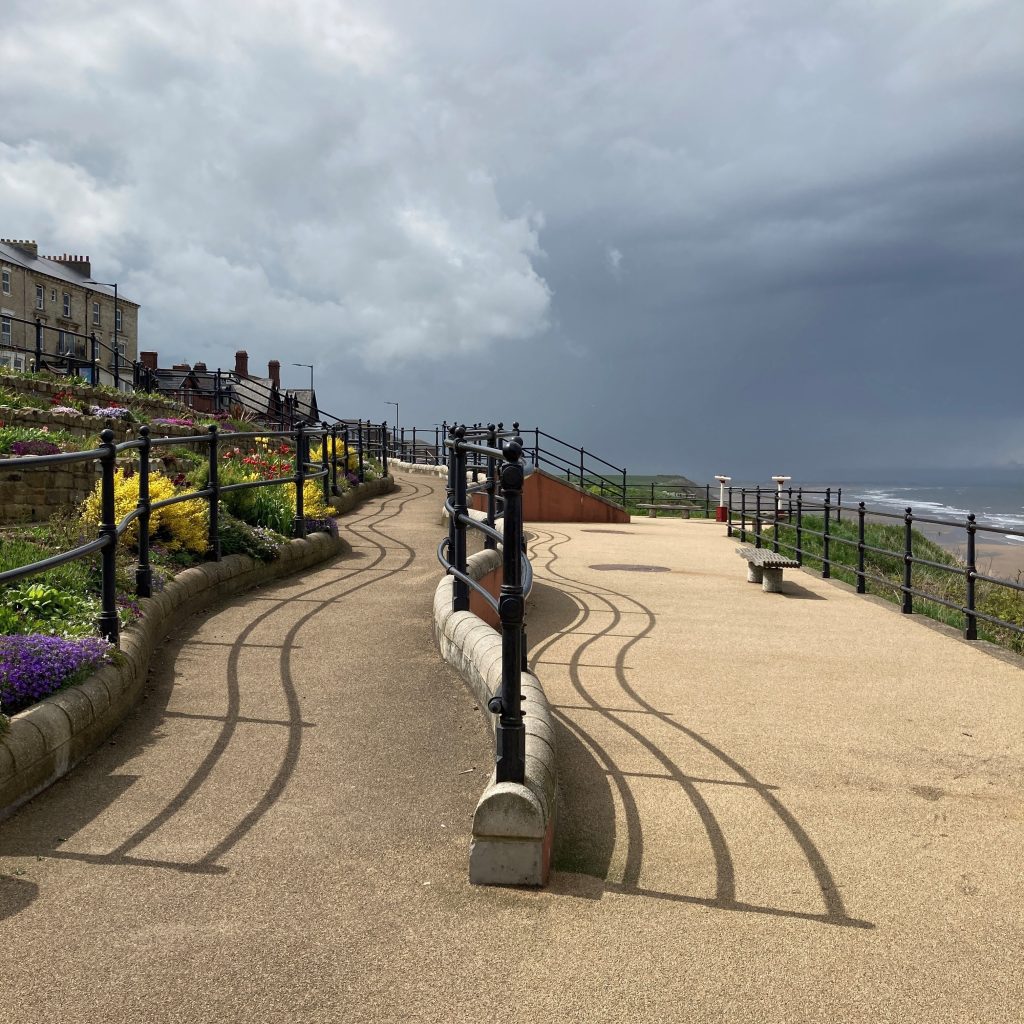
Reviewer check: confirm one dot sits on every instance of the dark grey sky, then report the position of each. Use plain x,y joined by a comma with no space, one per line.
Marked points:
729,236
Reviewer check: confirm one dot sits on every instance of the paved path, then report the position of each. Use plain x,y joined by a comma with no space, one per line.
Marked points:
751,831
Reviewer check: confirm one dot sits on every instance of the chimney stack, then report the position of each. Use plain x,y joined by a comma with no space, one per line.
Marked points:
242,363
23,244
148,359
181,366
79,264
200,368
274,373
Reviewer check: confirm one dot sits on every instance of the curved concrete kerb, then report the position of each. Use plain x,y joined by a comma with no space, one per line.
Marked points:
513,825
418,467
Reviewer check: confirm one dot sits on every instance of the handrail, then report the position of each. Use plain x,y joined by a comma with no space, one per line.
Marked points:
110,529
517,573
783,515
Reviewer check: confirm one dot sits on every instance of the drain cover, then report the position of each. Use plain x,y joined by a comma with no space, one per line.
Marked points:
631,568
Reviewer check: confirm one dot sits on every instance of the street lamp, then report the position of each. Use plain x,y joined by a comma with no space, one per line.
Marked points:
309,366
394,433
117,325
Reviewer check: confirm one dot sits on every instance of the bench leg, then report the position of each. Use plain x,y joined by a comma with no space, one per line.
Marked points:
772,581
686,513
652,513
753,573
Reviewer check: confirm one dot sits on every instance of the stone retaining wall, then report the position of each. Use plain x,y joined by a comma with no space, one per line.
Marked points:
82,392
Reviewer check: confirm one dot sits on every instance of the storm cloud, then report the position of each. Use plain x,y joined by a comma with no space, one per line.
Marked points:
698,237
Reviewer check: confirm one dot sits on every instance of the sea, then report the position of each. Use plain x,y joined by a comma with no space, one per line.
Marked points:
998,508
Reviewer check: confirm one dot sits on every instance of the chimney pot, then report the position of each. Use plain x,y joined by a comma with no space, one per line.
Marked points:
242,363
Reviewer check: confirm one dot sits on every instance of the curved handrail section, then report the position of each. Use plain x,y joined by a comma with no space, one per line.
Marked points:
337,444
500,457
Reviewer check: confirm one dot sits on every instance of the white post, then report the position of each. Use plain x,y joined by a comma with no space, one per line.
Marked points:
722,515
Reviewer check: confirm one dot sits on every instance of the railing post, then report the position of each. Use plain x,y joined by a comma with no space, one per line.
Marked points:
743,514
299,522
359,443
536,447
775,527
143,571
728,515
757,519
39,344
510,733
214,486
800,526
861,582
108,624
401,445
384,448
826,561
971,622
415,458
456,527
908,560
707,501
93,357
582,484
839,504
117,368
492,484
624,496
324,466
334,459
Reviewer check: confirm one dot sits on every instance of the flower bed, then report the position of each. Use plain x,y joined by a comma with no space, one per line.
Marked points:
34,666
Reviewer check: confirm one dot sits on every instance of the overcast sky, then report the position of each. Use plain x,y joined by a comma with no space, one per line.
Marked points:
746,236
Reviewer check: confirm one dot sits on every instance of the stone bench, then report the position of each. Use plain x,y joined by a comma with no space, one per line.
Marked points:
765,567
654,509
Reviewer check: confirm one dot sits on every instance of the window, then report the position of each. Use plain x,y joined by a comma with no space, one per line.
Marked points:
53,294
67,346
96,313
6,274
117,319
67,305
12,360
5,330
40,297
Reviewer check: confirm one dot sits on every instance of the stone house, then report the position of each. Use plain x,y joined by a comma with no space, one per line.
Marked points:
59,293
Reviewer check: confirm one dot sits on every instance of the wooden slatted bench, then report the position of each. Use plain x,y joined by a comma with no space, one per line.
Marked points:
654,509
765,567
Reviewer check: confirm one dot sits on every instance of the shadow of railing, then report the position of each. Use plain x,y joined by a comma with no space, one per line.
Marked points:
96,787
592,779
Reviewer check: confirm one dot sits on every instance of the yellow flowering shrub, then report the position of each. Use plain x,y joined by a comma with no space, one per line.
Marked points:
184,525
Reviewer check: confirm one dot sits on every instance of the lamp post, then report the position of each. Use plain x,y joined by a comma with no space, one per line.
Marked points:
395,432
721,513
117,330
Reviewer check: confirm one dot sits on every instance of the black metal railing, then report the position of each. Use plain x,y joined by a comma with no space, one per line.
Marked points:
77,355
689,496
336,442
576,464
502,457
808,525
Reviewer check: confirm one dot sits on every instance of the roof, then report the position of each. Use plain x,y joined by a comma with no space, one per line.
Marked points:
51,268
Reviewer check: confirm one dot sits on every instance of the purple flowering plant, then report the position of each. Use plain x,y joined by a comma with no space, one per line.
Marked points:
38,447
35,665
111,412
